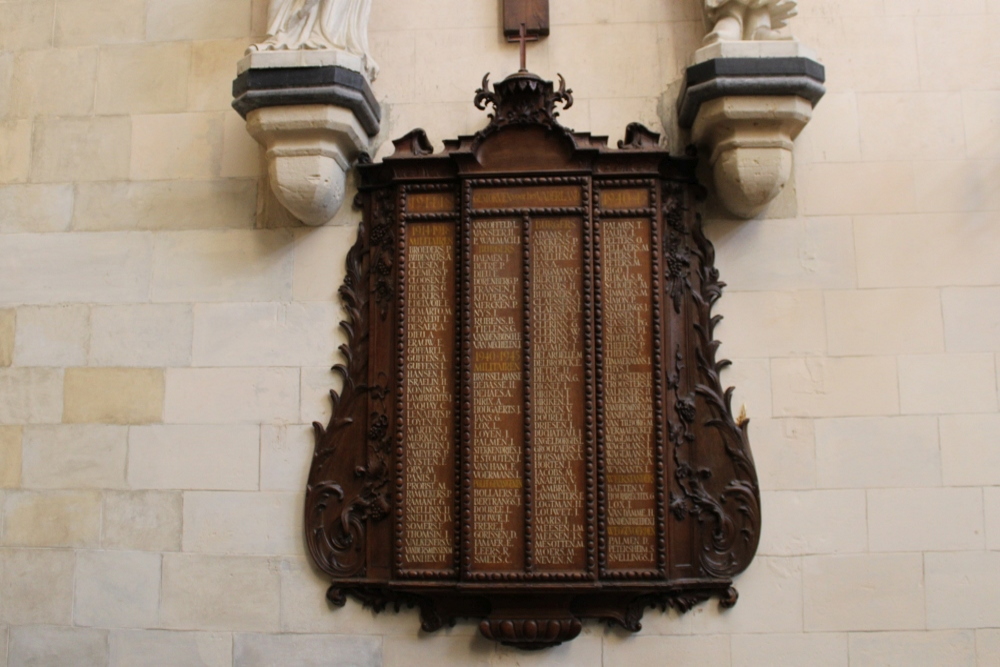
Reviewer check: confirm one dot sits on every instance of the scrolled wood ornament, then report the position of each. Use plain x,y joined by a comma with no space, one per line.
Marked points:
532,431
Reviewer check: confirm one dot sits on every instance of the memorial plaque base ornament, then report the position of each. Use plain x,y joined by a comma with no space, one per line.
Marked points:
531,430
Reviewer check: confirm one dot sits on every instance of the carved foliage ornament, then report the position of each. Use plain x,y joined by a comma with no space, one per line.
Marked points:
531,430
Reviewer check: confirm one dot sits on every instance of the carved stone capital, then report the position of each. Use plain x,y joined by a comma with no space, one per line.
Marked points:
310,149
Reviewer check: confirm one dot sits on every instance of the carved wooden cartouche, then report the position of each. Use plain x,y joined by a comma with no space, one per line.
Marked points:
531,430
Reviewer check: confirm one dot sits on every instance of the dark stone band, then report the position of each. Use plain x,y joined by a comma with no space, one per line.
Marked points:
287,86
722,77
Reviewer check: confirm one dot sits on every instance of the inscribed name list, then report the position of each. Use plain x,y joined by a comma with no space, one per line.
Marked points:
557,380
429,475
497,394
628,394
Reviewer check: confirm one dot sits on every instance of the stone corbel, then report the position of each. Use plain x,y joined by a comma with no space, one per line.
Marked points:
746,100
314,113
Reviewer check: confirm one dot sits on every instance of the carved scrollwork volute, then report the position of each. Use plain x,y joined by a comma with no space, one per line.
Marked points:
725,503
348,484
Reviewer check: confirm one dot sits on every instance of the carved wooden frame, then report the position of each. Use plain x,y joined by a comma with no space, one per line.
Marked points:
707,502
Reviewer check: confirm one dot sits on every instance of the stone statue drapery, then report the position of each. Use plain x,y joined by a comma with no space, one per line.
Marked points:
735,20
320,24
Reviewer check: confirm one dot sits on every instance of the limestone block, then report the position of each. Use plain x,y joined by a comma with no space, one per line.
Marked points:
914,649
36,586
927,250
445,14
285,456
493,54
113,395
971,319
8,331
84,22
26,24
194,19
223,266
710,651
961,589
52,336
166,205
68,268
396,54
194,457
264,334
67,89
216,522
949,186
785,453
970,450
219,593
772,591
316,384
15,146
142,520
776,255
874,452
10,457
826,649
987,646
925,519
833,134
814,522
864,592
991,500
176,146
116,589
143,78
752,379
236,395
241,155
81,149
835,387
52,519
853,188
944,43
36,208
40,645
161,648
910,126
304,608
982,125
141,335
309,150
933,7
592,59
212,73
606,114
872,322
6,79
772,324
259,650
31,395
947,383
320,261
74,457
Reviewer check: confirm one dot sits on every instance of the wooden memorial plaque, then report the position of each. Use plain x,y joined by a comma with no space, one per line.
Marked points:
531,430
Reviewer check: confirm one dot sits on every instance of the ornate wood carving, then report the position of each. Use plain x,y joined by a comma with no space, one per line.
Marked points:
532,430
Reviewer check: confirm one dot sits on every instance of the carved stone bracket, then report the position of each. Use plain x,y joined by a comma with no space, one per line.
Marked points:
745,103
313,112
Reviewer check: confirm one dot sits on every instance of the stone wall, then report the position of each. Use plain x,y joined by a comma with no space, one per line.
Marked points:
165,338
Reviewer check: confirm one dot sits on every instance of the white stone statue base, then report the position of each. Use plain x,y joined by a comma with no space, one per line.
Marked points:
301,58
310,149
749,140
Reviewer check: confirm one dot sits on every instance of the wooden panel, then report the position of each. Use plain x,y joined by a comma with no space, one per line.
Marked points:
628,395
527,197
534,14
429,467
497,462
557,376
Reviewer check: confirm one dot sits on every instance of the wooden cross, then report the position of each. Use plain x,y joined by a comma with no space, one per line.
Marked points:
523,38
